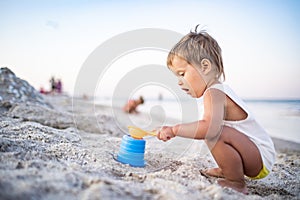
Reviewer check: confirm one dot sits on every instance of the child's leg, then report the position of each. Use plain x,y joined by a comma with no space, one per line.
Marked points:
236,156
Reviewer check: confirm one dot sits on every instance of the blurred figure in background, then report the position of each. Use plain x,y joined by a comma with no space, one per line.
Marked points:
131,105
52,84
59,86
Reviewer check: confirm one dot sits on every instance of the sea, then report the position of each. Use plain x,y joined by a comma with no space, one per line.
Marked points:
281,118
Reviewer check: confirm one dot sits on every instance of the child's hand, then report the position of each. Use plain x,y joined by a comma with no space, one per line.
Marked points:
165,133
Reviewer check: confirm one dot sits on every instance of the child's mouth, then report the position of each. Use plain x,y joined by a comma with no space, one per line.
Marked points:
186,90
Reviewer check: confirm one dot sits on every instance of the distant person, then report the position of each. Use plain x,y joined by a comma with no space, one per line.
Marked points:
59,86
160,96
238,143
52,84
42,90
85,97
132,105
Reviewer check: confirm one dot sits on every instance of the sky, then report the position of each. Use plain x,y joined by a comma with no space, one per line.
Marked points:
259,39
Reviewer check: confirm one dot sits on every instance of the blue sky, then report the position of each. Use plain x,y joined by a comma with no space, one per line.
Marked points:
260,39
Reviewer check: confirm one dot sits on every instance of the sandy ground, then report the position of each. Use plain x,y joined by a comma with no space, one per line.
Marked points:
68,151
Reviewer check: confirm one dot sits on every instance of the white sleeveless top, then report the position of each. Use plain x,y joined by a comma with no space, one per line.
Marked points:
251,128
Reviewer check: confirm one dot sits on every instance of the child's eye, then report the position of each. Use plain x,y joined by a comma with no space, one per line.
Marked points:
181,73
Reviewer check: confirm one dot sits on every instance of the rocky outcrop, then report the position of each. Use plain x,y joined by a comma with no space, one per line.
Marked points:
15,90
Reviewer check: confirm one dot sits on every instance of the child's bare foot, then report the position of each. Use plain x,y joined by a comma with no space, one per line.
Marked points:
216,172
238,186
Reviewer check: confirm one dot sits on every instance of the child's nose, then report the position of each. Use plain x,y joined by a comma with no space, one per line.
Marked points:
180,81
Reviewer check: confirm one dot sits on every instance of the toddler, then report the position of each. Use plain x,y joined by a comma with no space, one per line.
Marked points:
239,145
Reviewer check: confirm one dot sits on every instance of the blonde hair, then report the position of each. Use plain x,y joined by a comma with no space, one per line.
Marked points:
196,46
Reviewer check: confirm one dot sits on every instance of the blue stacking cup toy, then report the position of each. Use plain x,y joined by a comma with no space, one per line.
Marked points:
132,151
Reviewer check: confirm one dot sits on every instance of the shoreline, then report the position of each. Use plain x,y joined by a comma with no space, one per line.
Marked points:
279,118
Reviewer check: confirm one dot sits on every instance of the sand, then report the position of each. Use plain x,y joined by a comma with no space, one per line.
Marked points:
67,151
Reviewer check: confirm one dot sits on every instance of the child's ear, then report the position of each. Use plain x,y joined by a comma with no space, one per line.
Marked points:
205,66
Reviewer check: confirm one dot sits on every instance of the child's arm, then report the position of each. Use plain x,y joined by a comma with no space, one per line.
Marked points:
209,127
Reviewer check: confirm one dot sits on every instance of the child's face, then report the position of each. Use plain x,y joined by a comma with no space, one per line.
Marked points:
190,78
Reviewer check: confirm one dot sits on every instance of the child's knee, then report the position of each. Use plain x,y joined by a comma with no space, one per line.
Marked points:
220,138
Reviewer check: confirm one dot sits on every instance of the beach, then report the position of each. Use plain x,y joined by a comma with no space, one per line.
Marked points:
59,147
